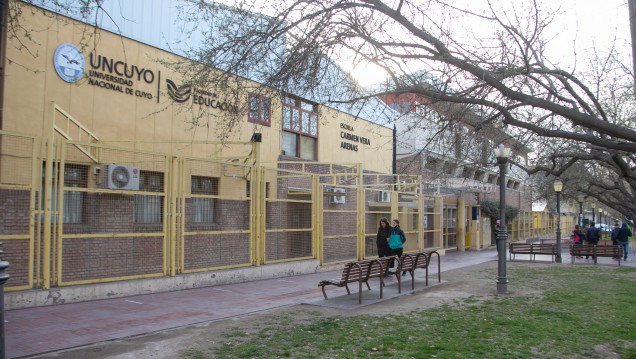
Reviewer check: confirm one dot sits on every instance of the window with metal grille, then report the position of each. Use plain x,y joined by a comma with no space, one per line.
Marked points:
74,201
74,176
203,207
149,208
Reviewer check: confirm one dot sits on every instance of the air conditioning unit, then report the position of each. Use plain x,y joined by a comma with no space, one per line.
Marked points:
338,199
384,196
122,177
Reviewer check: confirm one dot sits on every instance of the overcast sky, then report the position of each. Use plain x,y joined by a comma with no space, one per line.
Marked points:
579,24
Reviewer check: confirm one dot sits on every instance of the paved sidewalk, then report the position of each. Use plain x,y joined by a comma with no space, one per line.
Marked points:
39,330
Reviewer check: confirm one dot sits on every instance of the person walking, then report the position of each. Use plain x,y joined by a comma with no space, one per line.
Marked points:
584,231
496,233
593,236
577,236
623,239
382,240
397,245
614,235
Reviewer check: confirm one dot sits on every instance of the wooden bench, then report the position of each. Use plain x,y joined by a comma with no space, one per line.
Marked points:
361,272
532,249
579,250
409,262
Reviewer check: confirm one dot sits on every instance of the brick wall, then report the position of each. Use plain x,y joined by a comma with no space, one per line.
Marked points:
14,220
14,211
97,258
215,250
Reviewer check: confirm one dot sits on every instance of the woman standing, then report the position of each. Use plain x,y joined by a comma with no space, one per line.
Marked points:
384,232
397,250
577,236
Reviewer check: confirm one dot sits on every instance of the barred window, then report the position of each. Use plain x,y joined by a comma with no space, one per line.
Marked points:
74,176
149,207
203,208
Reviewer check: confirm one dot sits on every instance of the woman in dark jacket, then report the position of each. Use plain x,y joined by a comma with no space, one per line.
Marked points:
384,232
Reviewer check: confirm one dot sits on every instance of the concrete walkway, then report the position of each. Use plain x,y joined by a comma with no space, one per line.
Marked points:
33,331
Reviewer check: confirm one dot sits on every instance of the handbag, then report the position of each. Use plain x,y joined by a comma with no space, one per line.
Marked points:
395,241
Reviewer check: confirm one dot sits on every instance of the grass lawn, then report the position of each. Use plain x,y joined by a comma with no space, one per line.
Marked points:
575,312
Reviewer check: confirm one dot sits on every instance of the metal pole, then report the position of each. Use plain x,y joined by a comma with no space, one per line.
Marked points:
580,212
558,228
3,279
394,159
502,235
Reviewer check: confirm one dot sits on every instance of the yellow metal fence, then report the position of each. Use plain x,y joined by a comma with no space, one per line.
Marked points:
77,212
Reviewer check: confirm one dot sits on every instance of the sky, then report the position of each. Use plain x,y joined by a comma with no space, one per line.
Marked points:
580,24
585,23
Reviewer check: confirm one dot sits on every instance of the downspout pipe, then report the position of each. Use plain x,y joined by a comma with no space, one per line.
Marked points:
394,157
4,9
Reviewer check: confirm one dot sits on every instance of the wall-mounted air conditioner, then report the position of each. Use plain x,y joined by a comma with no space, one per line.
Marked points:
122,177
384,196
338,199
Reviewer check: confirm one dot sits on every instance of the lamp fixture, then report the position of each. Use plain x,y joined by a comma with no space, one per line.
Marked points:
558,185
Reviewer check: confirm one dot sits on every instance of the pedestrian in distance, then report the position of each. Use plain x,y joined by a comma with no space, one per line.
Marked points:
593,235
614,235
382,240
623,239
577,236
497,229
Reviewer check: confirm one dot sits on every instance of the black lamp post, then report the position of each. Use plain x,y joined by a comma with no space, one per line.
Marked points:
600,220
558,187
593,213
581,198
502,153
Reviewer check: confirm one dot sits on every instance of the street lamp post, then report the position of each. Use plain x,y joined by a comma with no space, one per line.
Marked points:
502,153
558,187
600,220
593,213
580,198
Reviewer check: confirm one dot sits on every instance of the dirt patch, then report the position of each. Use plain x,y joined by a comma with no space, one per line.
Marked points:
465,285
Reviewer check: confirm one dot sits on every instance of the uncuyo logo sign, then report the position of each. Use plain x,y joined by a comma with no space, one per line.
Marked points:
178,94
68,61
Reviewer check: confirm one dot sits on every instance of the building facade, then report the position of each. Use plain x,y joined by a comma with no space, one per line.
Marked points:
118,176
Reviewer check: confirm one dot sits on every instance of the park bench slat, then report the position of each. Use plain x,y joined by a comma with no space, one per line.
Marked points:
361,272
409,262
596,251
532,249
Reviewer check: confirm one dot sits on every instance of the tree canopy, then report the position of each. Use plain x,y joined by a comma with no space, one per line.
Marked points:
578,119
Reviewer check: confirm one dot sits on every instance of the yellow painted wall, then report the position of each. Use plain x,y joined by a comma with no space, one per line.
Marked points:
31,82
